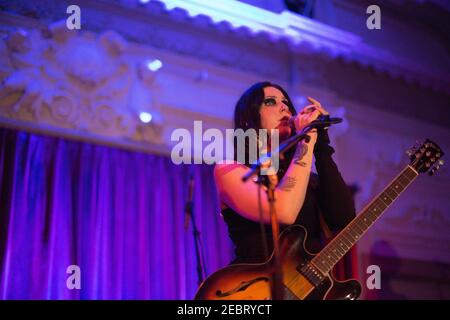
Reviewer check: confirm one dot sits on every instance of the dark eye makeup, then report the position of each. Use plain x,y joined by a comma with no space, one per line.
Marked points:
269,102
272,102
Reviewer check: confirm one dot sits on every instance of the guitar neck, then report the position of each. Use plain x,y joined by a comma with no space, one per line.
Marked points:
341,244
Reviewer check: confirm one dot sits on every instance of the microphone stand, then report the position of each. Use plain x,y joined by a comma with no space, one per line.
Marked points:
189,212
277,277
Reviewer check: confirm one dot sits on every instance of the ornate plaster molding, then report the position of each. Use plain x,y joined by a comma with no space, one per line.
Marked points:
53,77
299,33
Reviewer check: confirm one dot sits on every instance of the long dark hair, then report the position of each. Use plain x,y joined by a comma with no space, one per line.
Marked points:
246,116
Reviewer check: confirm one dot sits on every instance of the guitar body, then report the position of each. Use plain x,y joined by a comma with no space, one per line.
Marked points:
253,281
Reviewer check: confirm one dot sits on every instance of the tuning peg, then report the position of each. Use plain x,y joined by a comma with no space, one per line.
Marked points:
410,152
415,146
432,171
436,167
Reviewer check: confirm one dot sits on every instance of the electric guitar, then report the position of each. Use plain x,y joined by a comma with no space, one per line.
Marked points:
306,275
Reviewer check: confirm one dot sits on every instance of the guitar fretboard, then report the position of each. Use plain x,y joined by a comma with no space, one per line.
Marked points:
341,244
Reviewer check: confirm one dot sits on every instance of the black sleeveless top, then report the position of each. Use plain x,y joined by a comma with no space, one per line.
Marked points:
327,194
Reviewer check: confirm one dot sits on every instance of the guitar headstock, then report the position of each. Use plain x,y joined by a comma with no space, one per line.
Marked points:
426,157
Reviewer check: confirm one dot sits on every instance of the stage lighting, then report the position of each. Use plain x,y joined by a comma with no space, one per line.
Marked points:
145,117
154,65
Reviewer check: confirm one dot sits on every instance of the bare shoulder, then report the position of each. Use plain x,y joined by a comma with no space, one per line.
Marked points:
226,169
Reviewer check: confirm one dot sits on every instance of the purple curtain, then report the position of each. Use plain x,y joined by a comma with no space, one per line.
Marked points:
118,215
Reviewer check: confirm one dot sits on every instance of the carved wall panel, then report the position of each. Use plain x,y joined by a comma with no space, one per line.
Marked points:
80,81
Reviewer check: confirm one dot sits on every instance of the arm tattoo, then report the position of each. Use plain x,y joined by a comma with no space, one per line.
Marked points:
299,154
288,183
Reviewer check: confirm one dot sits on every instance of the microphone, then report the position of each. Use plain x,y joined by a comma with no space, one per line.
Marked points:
189,204
322,121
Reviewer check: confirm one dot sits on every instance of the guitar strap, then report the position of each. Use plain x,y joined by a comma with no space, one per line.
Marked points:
326,231
313,187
